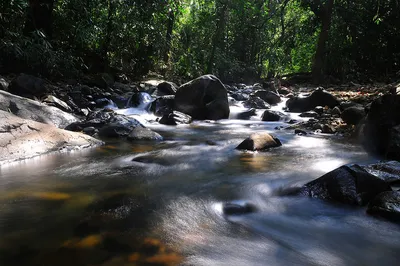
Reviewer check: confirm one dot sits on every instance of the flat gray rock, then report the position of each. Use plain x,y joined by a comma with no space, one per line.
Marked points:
29,109
22,139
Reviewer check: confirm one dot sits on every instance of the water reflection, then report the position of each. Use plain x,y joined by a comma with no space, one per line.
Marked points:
160,204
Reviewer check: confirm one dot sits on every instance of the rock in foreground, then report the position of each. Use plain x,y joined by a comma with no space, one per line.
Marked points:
386,205
346,184
259,141
22,139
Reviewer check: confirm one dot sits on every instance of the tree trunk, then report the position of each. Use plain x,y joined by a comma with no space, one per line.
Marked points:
107,38
318,67
39,17
168,37
222,8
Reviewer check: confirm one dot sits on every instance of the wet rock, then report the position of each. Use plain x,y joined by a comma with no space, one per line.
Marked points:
175,118
269,115
336,111
140,100
346,184
319,110
165,88
388,171
231,208
353,115
28,86
140,133
238,96
382,127
119,126
246,114
163,105
319,97
386,205
105,103
284,91
268,96
33,110
300,132
203,98
22,139
257,103
90,131
309,114
259,141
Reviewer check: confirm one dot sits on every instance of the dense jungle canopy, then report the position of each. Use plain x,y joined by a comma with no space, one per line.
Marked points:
237,40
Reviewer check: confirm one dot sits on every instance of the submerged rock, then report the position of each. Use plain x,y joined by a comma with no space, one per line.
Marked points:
346,184
259,141
203,98
22,138
386,205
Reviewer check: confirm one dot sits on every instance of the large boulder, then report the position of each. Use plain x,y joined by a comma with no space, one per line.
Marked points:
22,138
203,98
259,141
386,205
381,130
346,184
165,88
28,86
319,97
33,110
163,105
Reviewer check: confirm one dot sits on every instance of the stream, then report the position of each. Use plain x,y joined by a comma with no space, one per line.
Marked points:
160,203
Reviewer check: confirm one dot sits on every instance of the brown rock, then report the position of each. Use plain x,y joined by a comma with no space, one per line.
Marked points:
22,139
259,141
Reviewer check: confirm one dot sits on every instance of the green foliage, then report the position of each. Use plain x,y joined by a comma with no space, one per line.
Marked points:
238,40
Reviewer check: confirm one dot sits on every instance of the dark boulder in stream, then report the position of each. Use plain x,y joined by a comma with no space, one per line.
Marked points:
353,115
203,98
382,127
28,86
346,184
109,124
319,97
259,141
175,118
256,102
269,115
268,96
386,205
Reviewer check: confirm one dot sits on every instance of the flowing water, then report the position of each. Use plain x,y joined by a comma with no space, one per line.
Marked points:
161,203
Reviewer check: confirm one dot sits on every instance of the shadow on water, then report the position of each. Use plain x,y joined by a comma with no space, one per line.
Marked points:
161,204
